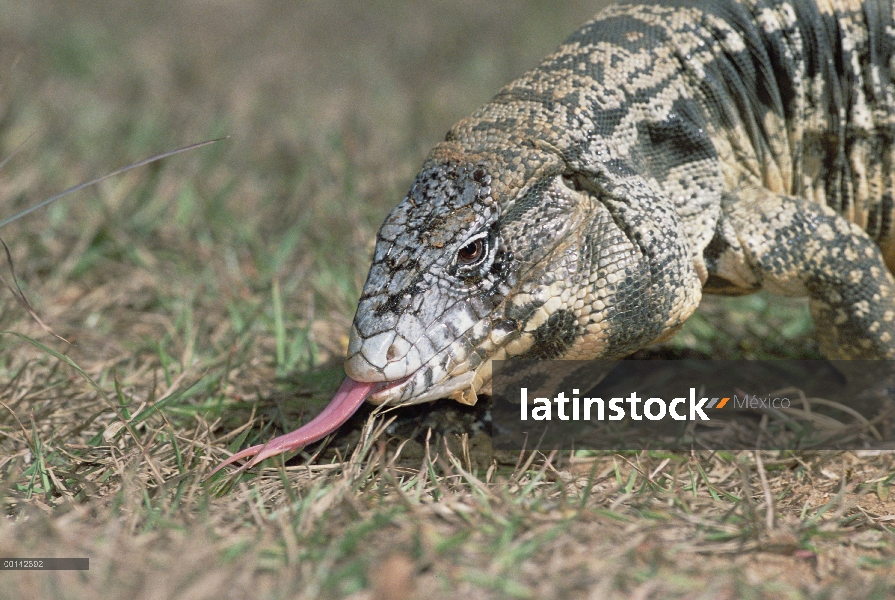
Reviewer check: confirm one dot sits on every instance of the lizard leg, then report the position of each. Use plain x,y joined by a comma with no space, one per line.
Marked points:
794,247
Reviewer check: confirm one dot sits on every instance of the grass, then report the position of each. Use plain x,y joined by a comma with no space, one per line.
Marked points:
208,298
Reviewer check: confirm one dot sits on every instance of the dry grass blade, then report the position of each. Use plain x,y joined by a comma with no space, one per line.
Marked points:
766,490
16,150
116,172
20,297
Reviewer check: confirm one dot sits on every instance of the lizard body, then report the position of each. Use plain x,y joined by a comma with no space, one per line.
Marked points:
665,150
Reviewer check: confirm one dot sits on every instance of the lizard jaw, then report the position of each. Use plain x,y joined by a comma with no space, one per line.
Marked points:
412,381
456,388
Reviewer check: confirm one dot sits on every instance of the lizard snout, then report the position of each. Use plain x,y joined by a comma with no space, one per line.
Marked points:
384,357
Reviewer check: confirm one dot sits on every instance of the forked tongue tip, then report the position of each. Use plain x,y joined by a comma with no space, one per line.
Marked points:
345,403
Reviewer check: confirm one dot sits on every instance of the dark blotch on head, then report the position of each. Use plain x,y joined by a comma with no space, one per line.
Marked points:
554,337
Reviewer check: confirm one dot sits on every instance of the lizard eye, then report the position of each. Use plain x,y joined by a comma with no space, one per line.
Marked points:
473,252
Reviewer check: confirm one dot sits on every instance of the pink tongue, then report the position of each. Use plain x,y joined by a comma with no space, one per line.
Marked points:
344,404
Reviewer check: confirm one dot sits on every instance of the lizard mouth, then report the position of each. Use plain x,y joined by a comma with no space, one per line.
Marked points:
344,404
384,391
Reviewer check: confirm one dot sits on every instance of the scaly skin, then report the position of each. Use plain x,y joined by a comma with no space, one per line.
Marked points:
663,151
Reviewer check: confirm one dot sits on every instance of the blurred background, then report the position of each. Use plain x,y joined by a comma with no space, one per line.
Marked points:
330,107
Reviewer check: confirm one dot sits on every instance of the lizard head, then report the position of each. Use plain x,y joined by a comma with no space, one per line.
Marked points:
421,332
475,265
440,268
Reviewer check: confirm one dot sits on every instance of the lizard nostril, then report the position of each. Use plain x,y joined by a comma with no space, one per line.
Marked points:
390,354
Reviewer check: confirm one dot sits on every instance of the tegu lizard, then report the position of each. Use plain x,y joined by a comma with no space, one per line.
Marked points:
665,150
